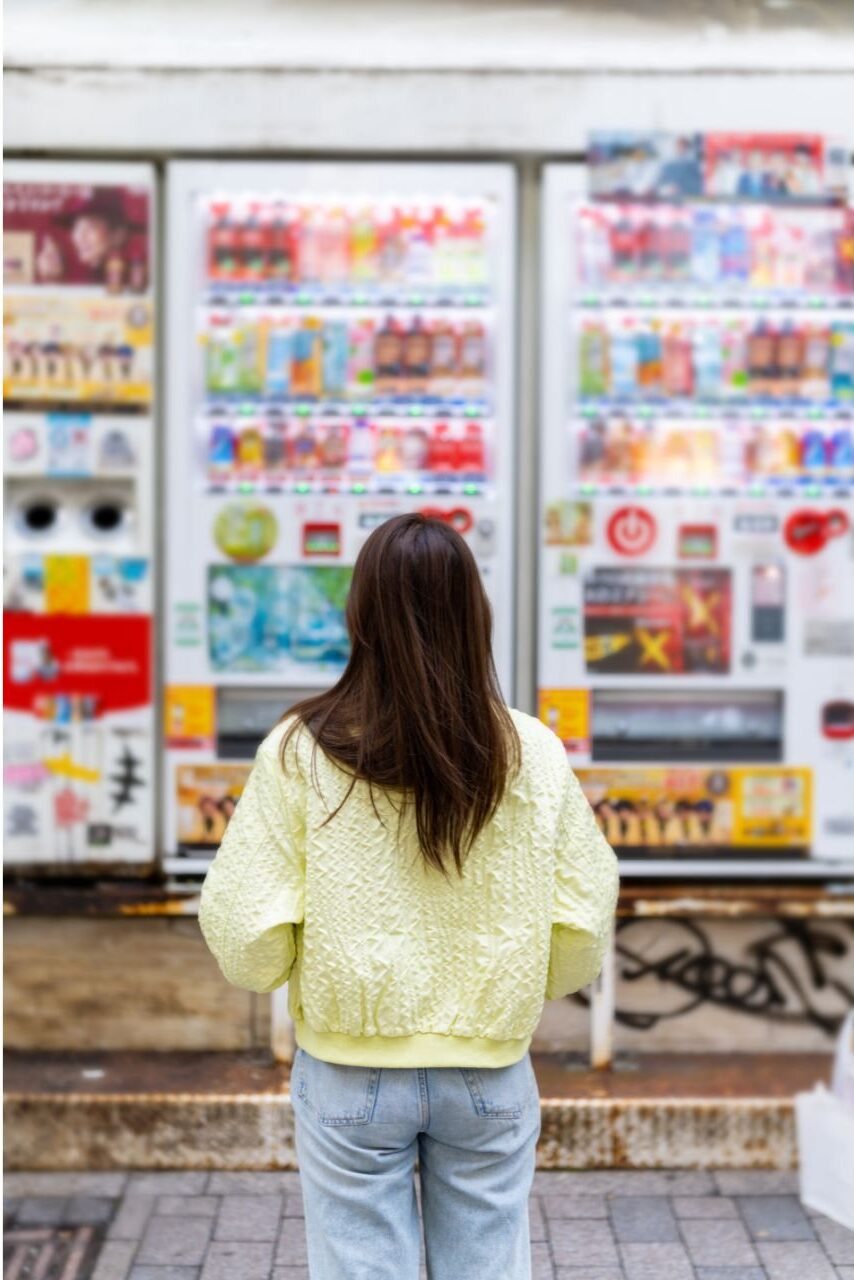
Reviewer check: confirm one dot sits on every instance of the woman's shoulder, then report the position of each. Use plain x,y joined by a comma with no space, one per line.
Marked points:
540,746
288,744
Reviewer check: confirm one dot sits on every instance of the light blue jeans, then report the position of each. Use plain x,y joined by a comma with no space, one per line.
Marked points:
359,1132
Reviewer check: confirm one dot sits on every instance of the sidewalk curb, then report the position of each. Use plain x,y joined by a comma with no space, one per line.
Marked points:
255,1131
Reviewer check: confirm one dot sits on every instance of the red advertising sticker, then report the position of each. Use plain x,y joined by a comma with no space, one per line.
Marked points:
57,233
632,531
653,622
808,532
107,658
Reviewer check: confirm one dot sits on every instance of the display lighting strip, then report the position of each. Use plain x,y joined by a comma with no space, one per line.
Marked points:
384,488
770,302
480,410
601,407
319,297
788,487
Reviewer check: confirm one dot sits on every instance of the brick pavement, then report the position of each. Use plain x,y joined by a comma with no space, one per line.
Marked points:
735,1225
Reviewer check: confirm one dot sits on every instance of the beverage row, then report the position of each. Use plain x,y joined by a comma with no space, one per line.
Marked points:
618,451
345,359
757,248
713,360
272,452
277,241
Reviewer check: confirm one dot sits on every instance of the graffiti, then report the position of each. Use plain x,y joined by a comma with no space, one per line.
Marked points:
792,973
69,808
125,779
21,820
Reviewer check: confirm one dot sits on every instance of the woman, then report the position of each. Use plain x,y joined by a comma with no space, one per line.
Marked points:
420,864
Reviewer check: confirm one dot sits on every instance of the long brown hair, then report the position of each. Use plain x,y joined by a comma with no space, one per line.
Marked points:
418,708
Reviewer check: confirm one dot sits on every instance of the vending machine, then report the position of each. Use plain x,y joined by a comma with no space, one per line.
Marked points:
78,386
341,340
696,601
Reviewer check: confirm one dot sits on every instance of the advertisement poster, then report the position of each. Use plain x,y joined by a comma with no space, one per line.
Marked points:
694,808
189,716
76,234
567,713
61,347
104,662
645,621
569,524
207,797
263,617
789,168
77,766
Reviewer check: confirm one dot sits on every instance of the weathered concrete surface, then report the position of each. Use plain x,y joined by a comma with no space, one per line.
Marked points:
121,983
157,1112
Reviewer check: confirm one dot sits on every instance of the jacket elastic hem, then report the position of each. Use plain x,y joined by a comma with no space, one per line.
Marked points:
409,1051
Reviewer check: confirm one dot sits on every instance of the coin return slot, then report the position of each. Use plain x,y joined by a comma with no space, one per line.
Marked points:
39,516
244,717
743,726
106,517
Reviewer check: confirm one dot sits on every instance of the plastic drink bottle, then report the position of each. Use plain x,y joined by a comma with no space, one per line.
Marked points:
708,361
360,368
593,371
472,373
842,361
307,360
705,248
221,360
278,365
815,382
364,246
248,349
388,357
223,260
677,371
735,250
335,356
445,359
594,248
253,246
417,344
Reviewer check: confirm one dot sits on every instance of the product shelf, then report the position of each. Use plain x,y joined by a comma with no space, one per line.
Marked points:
351,486
598,407
664,299
338,300
835,488
358,410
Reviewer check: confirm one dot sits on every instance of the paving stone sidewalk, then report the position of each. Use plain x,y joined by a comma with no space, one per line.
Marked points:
584,1226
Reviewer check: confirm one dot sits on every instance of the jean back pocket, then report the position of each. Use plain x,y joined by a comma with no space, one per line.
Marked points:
501,1092
336,1094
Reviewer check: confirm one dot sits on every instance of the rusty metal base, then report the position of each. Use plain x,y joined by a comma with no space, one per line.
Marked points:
232,1111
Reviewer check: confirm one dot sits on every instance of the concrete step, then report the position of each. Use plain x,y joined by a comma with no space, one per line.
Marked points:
233,1111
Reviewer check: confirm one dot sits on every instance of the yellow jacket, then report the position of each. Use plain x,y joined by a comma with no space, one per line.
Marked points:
390,963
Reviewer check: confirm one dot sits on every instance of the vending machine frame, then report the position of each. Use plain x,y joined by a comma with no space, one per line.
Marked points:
189,512
92,466
561,610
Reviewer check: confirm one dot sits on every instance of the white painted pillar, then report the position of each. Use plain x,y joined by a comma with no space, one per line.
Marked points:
602,994
282,1040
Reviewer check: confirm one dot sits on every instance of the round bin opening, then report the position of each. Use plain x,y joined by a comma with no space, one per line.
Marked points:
39,516
106,517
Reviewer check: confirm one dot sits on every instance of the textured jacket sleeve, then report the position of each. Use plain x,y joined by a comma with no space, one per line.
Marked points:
253,893
586,885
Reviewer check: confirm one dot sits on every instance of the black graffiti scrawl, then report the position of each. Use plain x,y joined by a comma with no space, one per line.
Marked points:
125,779
797,972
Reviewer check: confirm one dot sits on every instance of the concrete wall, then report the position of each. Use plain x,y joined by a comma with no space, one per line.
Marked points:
474,76
684,986
76,984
